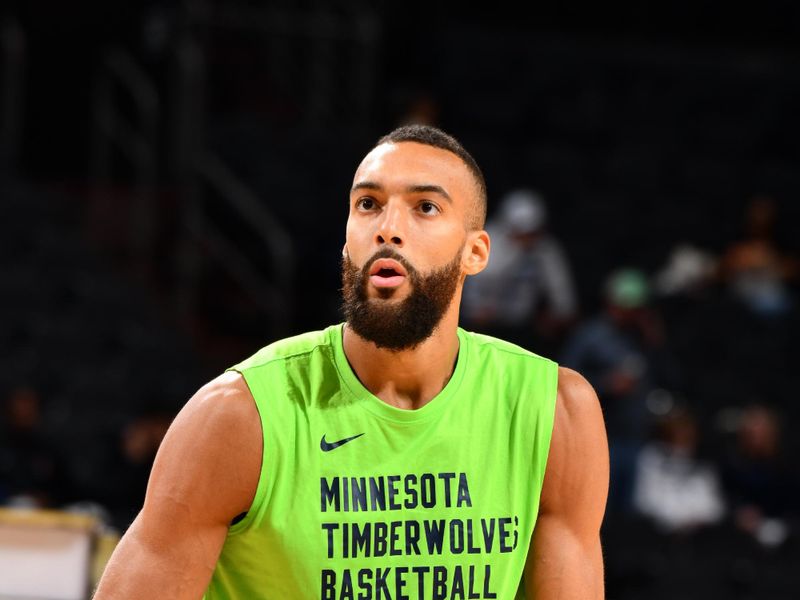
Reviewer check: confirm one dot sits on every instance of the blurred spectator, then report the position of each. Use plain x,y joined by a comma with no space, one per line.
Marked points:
757,478
526,292
622,353
613,351
122,489
32,473
672,486
754,268
689,271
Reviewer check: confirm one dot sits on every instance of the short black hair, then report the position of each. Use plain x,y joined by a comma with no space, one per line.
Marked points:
432,136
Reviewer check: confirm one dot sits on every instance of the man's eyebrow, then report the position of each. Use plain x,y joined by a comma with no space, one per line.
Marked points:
412,189
366,185
436,189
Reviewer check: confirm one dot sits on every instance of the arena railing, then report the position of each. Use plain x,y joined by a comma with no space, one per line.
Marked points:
201,174
133,138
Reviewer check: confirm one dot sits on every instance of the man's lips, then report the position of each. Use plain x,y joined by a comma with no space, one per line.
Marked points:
387,273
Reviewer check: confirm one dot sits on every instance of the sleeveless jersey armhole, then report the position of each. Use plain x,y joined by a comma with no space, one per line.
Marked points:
543,436
546,423
243,523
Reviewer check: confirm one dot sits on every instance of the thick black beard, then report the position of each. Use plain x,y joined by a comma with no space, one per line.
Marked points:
400,325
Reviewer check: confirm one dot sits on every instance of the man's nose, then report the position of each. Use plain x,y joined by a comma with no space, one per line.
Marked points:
390,227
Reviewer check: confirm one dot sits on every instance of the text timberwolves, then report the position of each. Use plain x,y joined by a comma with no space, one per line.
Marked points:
462,540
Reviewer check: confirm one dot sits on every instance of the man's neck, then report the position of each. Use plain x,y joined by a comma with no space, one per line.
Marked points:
407,379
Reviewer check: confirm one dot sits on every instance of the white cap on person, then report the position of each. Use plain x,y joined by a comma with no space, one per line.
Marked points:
524,211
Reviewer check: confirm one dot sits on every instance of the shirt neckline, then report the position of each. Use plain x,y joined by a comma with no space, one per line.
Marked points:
380,408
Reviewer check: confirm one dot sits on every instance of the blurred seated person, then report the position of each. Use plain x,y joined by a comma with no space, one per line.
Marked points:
621,352
526,294
761,485
674,488
32,473
756,270
614,350
122,489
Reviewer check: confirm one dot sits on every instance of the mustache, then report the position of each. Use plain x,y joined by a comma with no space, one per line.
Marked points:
388,253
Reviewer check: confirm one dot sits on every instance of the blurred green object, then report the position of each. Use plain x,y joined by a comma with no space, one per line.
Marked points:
628,288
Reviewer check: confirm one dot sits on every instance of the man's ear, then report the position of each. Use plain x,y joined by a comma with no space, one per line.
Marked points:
476,252
344,250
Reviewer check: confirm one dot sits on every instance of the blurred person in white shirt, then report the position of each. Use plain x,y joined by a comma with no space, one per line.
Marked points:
526,293
672,485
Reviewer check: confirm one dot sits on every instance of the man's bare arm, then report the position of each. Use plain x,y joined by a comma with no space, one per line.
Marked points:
205,474
565,560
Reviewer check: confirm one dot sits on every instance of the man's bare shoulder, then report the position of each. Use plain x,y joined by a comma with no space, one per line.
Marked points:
578,457
577,398
205,474
226,398
212,451
223,406
565,559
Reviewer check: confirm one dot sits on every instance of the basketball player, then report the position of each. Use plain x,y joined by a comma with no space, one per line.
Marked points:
394,456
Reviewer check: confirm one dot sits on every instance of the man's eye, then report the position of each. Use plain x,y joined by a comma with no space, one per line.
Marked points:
365,203
429,208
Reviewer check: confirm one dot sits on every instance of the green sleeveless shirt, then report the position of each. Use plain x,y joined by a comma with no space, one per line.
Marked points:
360,500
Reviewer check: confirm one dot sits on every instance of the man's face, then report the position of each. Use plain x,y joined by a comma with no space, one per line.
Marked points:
405,254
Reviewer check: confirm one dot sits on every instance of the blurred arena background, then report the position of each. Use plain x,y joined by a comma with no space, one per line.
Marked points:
173,184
